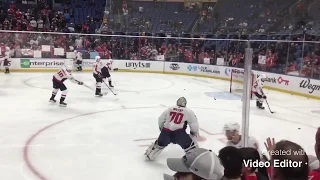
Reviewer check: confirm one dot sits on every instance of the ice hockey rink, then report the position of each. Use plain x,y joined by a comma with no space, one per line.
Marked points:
105,138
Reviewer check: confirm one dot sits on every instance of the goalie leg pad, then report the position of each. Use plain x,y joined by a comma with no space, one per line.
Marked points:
153,151
156,148
194,144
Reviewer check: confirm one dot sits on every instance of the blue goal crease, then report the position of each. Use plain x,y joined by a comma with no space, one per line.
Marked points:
223,95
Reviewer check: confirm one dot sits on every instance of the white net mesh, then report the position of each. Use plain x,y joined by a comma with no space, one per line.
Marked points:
237,81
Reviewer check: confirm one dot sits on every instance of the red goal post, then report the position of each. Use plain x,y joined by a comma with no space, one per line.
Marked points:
237,80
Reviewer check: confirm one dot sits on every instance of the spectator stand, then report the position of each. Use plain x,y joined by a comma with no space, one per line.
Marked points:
297,55
298,19
248,16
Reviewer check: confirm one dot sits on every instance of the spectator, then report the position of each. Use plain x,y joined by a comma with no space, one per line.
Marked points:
71,27
40,24
197,164
2,16
235,139
252,173
67,17
140,9
315,173
79,42
231,160
33,23
288,173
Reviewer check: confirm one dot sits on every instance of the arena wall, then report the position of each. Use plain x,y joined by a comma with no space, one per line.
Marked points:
301,86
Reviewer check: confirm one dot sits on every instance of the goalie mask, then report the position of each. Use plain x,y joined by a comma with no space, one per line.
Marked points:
182,102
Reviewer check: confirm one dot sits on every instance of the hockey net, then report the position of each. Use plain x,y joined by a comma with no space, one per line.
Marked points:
237,81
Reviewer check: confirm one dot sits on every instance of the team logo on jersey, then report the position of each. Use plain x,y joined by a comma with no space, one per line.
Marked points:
194,68
174,66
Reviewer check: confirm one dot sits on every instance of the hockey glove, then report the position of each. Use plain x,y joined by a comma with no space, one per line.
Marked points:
264,97
80,83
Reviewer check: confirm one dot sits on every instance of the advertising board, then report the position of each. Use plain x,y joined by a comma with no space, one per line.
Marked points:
41,63
285,83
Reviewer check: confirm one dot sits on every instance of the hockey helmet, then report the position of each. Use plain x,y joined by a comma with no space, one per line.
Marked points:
231,126
75,51
263,77
97,58
7,49
182,102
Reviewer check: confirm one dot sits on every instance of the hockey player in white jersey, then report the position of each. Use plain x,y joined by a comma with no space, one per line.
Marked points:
97,74
78,60
258,90
172,124
6,61
58,79
231,131
105,72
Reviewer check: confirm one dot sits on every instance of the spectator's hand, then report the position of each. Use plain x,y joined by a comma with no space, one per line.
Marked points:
269,144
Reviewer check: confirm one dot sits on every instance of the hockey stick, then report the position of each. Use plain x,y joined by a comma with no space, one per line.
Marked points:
110,88
269,107
93,89
87,86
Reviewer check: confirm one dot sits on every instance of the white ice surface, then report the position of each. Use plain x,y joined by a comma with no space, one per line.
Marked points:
98,138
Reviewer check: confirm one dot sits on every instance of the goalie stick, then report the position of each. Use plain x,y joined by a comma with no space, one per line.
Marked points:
269,107
110,88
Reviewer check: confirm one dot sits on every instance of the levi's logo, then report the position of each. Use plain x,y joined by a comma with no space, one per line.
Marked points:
280,81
